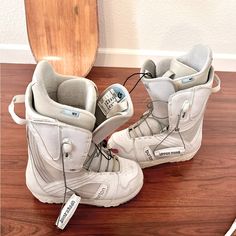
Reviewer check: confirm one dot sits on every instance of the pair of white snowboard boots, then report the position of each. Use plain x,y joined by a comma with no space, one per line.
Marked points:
67,122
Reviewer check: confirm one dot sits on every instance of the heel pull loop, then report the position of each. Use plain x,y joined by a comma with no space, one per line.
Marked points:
11,109
218,86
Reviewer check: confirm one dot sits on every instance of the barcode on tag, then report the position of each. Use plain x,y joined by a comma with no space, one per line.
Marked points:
109,100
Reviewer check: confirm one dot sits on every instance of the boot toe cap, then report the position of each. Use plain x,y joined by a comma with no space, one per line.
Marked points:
130,179
122,144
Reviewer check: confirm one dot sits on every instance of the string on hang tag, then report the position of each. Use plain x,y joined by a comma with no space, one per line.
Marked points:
68,208
146,74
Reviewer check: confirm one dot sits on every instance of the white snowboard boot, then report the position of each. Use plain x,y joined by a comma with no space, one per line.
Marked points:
66,124
171,130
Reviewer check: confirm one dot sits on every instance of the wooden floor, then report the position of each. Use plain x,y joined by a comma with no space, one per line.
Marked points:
197,197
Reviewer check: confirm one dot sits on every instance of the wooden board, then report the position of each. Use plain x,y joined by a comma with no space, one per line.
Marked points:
64,32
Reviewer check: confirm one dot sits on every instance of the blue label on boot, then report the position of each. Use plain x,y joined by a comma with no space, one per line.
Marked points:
187,80
70,113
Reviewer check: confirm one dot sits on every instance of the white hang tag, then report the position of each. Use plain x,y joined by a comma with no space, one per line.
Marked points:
110,99
174,151
68,211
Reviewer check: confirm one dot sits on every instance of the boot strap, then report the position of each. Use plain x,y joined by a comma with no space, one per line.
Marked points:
11,109
217,87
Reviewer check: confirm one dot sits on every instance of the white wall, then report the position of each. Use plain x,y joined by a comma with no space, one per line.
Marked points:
132,30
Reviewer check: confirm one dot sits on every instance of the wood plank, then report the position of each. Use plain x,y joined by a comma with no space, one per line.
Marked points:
63,32
197,197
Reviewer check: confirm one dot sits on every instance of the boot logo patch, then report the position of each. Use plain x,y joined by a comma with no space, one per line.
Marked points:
101,191
149,154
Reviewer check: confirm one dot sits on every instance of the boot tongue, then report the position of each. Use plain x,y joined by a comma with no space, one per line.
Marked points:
114,108
178,69
146,127
159,91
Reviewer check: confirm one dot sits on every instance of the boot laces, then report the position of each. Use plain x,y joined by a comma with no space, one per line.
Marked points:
175,129
147,116
101,151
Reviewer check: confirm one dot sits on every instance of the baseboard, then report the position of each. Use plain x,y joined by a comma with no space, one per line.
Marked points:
119,57
16,53
113,57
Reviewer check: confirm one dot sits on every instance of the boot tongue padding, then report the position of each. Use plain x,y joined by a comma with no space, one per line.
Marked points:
79,93
178,69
